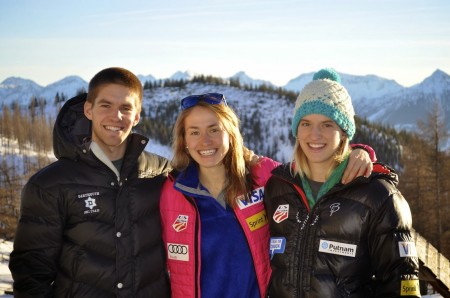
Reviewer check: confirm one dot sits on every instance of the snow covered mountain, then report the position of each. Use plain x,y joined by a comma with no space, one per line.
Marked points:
403,108
360,88
244,79
22,90
374,98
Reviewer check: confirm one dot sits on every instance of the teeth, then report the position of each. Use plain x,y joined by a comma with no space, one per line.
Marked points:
207,152
316,145
113,128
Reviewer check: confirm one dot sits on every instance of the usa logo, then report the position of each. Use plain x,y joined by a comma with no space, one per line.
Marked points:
180,223
282,213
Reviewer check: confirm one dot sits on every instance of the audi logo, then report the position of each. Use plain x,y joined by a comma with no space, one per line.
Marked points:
178,249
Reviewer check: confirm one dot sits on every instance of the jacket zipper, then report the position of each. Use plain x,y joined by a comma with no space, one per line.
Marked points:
192,201
300,235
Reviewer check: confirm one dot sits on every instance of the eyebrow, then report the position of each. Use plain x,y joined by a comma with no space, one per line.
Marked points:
107,101
196,127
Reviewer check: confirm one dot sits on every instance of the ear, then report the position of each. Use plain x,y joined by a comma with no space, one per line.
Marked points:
136,119
88,110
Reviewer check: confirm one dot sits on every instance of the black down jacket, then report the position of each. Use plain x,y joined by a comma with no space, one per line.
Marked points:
355,242
82,231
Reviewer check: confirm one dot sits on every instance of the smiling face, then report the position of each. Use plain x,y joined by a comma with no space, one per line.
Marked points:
113,113
206,139
319,138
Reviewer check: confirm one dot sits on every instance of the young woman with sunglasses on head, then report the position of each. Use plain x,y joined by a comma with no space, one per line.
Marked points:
214,223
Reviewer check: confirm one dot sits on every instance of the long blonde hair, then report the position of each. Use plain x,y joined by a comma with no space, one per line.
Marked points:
237,159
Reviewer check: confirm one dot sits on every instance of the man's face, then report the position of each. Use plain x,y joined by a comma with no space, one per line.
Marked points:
113,114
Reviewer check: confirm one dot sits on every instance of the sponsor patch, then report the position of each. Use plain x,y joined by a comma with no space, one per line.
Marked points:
255,196
410,288
334,208
337,248
282,213
90,202
407,249
257,221
180,223
179,252
277,245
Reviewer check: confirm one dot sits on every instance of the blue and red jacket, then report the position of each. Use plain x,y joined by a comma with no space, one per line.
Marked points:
181,226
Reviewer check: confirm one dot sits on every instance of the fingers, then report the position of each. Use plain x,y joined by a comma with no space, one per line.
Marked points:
359,164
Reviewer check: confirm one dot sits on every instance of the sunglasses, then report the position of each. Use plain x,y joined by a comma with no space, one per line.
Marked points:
211,98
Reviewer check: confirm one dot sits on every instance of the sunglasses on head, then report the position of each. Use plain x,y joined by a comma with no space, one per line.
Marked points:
211,98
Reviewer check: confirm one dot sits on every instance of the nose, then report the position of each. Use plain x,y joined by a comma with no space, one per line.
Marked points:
316,132
206,139
116,114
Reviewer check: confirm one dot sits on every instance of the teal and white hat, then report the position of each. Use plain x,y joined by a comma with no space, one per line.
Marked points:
326,96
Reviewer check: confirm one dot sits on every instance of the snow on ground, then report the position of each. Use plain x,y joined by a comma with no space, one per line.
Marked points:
5,274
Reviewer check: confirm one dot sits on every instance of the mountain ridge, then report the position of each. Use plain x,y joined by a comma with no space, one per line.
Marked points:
374,98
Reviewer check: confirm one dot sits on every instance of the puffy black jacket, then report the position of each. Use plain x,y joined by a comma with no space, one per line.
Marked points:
84,233
355,242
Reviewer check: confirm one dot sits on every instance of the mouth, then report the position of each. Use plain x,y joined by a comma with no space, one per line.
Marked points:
208,152
316,146
113,128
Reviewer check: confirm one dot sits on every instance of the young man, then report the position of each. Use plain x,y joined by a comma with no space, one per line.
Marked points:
89,223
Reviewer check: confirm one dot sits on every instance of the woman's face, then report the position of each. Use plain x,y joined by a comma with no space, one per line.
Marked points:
319,137
206,139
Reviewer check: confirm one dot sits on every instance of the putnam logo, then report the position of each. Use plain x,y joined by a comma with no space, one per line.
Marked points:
337,248
180,223
410,288
257,221
407,249
255,196
282,213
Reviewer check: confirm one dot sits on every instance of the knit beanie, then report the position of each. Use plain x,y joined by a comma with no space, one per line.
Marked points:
326,96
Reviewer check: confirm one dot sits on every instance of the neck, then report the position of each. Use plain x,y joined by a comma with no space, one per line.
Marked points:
213,179
319,171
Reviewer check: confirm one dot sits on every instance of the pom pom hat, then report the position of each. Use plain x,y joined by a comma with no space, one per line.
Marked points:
326,96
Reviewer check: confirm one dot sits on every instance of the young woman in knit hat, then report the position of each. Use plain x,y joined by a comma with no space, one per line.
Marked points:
329,239
216,237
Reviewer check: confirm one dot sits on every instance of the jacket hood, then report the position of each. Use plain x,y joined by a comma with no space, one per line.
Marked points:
72,130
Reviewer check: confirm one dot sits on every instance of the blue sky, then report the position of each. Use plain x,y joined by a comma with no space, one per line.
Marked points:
404,40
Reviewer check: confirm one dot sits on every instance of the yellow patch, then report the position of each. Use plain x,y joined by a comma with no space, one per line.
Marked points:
410,288
257,221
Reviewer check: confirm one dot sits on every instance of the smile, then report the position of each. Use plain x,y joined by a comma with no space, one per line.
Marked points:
316,146
207,152
113,128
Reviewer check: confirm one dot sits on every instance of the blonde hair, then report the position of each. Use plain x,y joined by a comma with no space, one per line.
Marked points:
237,159
301,161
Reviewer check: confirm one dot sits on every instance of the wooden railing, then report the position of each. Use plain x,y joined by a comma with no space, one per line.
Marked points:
434,267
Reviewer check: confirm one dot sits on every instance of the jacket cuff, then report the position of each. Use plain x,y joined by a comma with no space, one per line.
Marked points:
368,149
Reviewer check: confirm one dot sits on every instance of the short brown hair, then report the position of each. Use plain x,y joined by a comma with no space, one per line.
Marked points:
115,75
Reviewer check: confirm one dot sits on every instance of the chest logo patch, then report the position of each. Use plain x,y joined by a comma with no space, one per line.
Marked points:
90,202
180,223
282,213
334,208
179,252
257,221
337,248
256,196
